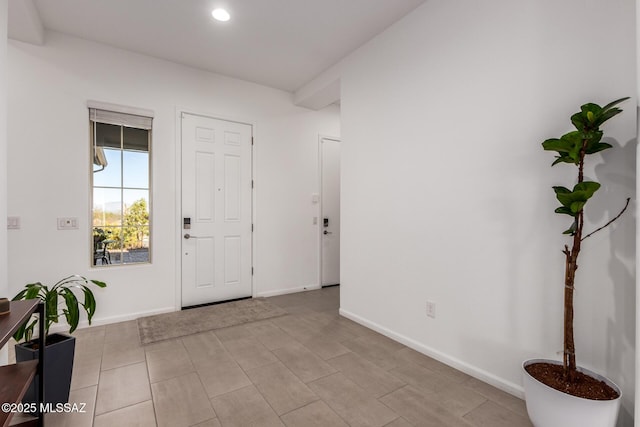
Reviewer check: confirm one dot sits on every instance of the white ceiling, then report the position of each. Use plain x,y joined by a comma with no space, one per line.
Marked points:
278,43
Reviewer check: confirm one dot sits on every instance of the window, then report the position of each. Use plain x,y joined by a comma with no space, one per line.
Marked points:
121,196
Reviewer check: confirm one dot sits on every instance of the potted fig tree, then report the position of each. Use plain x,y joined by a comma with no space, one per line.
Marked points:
59,348
562,393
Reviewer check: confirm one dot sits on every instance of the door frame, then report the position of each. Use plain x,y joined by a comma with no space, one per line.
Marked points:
177,223
320,229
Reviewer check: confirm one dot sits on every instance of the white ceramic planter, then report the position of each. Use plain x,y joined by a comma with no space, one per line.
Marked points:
548,407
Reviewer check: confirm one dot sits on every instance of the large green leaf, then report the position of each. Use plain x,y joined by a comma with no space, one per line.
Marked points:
573,201
581,193
72,313
613,103
607,115
577,206
561,190
70,280
89,303
588,187
590,110
568,145
99,283
19,334
21,295
575,139
587,117
565,210
563,159
51,308
559,145
597,147
592,116
33,290
28,330
590,139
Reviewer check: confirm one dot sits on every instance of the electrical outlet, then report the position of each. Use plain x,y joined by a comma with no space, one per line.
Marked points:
431,309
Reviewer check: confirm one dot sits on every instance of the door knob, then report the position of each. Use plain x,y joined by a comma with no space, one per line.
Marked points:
326,232
189,236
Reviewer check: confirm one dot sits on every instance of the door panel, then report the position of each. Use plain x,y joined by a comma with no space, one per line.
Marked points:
205,185
216,196
232,194
205,256
232,260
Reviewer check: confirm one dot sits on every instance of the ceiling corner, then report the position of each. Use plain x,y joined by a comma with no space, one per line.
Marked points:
322,91
25,24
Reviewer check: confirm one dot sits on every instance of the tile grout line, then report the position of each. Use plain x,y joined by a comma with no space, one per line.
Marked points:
95,407
153,403
254,385
126,406
489,399
205,392
278,360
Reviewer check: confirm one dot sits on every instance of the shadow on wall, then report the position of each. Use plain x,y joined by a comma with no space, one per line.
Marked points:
621,326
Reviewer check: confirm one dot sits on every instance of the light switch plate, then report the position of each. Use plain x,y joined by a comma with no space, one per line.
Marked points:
68,223
13,223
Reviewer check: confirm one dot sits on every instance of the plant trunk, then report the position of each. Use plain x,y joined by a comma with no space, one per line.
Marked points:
571,266
570,275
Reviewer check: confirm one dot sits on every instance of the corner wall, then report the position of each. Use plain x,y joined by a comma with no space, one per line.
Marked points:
4,11
447,192
637,379
3,146
49,168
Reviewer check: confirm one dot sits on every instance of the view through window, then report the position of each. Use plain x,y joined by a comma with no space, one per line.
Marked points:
121,188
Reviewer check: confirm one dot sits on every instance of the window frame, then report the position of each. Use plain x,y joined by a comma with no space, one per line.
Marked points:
92,142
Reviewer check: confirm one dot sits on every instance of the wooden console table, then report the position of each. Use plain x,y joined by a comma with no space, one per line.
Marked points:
15,379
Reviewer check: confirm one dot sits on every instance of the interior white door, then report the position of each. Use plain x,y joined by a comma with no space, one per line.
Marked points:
216,210
330,225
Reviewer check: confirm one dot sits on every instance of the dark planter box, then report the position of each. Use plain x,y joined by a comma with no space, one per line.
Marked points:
58,366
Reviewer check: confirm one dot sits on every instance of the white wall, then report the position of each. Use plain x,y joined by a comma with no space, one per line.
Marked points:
287,242
49,168
447,192
3,158
3,147
637,379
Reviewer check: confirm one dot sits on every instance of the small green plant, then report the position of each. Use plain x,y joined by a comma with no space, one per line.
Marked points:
572,148
50,296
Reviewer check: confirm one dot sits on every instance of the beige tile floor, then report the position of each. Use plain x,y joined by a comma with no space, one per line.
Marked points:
308,368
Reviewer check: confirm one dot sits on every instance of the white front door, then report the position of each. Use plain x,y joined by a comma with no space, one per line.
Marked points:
330,225
216,210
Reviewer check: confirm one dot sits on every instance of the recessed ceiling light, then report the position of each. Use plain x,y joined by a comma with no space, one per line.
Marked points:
220,15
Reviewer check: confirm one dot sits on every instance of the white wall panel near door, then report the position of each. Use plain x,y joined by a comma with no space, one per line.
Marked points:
330,223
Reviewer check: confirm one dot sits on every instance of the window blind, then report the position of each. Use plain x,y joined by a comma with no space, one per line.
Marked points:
120,119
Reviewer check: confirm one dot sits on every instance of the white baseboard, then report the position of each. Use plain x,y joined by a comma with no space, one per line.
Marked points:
63,327
287,291
482,375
